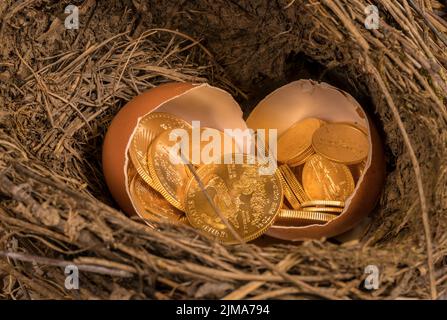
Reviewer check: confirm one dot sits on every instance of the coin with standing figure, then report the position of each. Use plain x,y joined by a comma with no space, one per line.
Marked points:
248,200
327,180
149,127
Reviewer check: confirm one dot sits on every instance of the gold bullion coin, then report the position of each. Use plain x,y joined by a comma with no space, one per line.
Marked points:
323,209
327,180
168,168
297,139
288,193
292,181
248,200
341,143
147,130
153,204
302,218
326,203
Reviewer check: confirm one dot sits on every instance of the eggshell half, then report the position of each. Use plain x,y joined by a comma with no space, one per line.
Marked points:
306,98
213,107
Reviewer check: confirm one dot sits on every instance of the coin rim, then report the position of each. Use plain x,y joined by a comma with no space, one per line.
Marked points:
328,203
295,185
306,213
288,192
322,209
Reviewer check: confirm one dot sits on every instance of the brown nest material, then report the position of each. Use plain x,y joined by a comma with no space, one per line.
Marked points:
60,89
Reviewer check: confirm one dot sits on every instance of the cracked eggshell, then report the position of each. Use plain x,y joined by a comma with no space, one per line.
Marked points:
306,98
213,107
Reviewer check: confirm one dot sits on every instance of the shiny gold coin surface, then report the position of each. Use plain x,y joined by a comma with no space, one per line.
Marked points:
248,200
323,209
341,143
302,218
150,203
288,193
147,130
327,180
297,139
167,168
295,185
326,203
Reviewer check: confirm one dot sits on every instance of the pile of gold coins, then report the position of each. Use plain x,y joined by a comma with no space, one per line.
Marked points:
318,166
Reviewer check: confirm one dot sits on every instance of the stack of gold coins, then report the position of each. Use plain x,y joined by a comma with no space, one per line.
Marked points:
171,181
295,152
164,177
145,188
320,165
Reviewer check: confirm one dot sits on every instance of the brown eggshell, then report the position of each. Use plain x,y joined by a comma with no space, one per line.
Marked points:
213,107
303,99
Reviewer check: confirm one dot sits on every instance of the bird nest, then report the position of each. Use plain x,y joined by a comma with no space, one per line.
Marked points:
60,89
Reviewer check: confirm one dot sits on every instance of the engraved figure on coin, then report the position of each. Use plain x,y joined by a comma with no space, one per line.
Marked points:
243,205
222,199
249,185
171,174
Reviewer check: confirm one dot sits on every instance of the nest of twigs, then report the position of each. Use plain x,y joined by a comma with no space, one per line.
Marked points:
61,88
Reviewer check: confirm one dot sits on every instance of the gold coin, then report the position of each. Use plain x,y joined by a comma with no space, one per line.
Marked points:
151,204
302,218
327,180
341,143
295,185
167,168
297,139
248,200
288,193
323,209
147,130
326,203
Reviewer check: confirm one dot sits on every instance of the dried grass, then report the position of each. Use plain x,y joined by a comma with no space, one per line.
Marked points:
58,95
